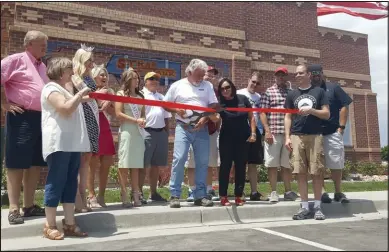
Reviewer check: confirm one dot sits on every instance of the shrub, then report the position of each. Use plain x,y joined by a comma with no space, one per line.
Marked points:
384,153
262,173
370,169
114,174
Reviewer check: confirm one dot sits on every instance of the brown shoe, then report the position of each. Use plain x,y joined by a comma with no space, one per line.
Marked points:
34,210
14,217
52,233
72,230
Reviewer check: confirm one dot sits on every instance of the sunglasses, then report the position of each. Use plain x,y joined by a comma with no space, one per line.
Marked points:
225,88
153,79
314,73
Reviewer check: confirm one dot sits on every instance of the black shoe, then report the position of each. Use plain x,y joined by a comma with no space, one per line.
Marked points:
157,197
203,202
340,197
325,198
14,217
302,214
175,202
258,197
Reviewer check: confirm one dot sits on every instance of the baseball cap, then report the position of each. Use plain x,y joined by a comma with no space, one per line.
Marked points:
214,70
315,68
152,74
281,69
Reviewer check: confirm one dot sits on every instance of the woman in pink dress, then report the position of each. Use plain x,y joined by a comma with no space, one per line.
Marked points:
102,160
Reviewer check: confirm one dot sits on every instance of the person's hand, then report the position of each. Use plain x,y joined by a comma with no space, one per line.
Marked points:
252,138
269,137
214,117
340,131
181,112
12,108
200,124
104,105
141,122
304,111
103,90
288,144
85,91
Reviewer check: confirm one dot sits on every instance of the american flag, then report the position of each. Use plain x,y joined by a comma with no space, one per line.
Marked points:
367,10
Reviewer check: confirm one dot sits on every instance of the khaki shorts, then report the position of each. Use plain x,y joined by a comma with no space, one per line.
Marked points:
307,154
334,151
213,152
276,154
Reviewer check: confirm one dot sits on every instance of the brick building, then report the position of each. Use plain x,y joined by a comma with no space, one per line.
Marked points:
236,37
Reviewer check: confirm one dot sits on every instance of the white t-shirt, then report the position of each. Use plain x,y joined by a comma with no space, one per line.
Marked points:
255,100
155,115
62,133
184,92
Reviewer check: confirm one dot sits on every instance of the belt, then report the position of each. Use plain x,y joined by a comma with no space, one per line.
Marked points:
154,129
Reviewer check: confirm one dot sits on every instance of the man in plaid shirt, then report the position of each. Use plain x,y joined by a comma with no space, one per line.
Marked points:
276,154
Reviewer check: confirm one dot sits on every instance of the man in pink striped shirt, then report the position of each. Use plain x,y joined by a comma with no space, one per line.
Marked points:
23,76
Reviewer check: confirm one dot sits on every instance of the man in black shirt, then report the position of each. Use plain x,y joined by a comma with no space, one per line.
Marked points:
333,130
303,137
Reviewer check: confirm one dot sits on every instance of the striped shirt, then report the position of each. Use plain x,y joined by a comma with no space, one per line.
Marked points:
275,97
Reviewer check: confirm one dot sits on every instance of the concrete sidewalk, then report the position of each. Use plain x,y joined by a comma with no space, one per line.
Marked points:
114,217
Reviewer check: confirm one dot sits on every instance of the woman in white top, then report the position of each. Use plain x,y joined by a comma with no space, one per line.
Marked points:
65,137
131,141
82,66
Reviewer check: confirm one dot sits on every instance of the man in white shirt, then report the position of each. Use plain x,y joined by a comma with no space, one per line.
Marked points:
156,134
256,148
191,130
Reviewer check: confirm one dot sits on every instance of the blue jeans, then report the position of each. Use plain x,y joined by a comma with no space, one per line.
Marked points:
61,183
199,140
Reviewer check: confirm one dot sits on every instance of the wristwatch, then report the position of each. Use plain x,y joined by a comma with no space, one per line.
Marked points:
342,127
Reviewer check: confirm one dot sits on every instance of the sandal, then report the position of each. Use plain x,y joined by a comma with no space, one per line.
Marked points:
101,201
93,202
72,230
34,210
125,202
52,233
135,198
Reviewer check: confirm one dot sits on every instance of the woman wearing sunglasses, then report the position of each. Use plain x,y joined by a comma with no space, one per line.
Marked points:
234,139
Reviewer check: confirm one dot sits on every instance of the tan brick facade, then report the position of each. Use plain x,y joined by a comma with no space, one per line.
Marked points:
244,36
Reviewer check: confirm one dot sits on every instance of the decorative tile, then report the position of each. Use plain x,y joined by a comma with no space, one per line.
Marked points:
32,15
255,56
73,21
110,27
358,84
300,60
145,32
177,37
207,41
235,44
278,58
299,4
342,83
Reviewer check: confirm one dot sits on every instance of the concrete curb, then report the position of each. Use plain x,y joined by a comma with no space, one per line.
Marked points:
115,218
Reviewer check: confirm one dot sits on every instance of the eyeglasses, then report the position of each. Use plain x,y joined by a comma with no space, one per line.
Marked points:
152,79
225,88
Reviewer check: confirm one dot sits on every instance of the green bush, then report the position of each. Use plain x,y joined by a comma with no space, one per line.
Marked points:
114,174
384,153
262,173
370,169
349,168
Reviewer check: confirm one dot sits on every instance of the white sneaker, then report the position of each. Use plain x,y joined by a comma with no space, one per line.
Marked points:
274,197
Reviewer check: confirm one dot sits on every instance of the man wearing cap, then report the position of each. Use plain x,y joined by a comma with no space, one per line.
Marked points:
156,134
303,138
191,130
256,149
213,130
333,130
276,154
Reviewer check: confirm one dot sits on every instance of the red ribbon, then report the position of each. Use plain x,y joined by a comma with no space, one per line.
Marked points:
166,104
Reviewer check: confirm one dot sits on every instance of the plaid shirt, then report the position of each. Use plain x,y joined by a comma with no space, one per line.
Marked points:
275,97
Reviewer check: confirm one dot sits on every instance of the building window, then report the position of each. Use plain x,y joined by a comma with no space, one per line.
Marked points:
347,137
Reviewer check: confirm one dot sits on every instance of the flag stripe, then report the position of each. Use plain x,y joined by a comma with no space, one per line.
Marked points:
354,9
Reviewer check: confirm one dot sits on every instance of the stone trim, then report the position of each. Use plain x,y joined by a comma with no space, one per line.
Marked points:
114,15
352,122
340,33
358,91
367,149
267,66
283,49
32,15
128,42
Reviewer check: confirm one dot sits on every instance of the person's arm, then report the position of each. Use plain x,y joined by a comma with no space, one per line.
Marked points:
345,100
63,106
79,84
288,122
123,117
8,65
171,97
322,113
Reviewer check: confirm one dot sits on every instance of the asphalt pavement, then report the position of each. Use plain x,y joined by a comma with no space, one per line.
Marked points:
357,234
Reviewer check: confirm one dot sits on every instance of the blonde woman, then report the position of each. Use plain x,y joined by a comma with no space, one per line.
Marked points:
65,137
83,65
104,158
131,142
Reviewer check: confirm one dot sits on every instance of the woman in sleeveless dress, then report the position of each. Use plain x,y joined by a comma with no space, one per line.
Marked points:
83,65
103,159
131,142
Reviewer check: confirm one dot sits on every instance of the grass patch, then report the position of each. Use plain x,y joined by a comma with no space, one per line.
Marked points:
112,196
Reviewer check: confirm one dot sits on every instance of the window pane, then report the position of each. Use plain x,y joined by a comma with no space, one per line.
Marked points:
347,134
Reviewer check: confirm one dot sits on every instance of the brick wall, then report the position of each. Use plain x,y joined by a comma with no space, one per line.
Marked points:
242,37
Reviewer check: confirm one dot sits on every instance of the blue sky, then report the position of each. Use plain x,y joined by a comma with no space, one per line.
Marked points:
377,31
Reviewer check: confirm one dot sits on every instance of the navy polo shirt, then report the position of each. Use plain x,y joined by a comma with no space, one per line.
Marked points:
337,99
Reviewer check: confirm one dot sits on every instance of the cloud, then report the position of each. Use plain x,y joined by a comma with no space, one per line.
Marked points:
377,31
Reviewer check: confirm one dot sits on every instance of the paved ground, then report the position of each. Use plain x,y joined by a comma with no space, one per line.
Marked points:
347,234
